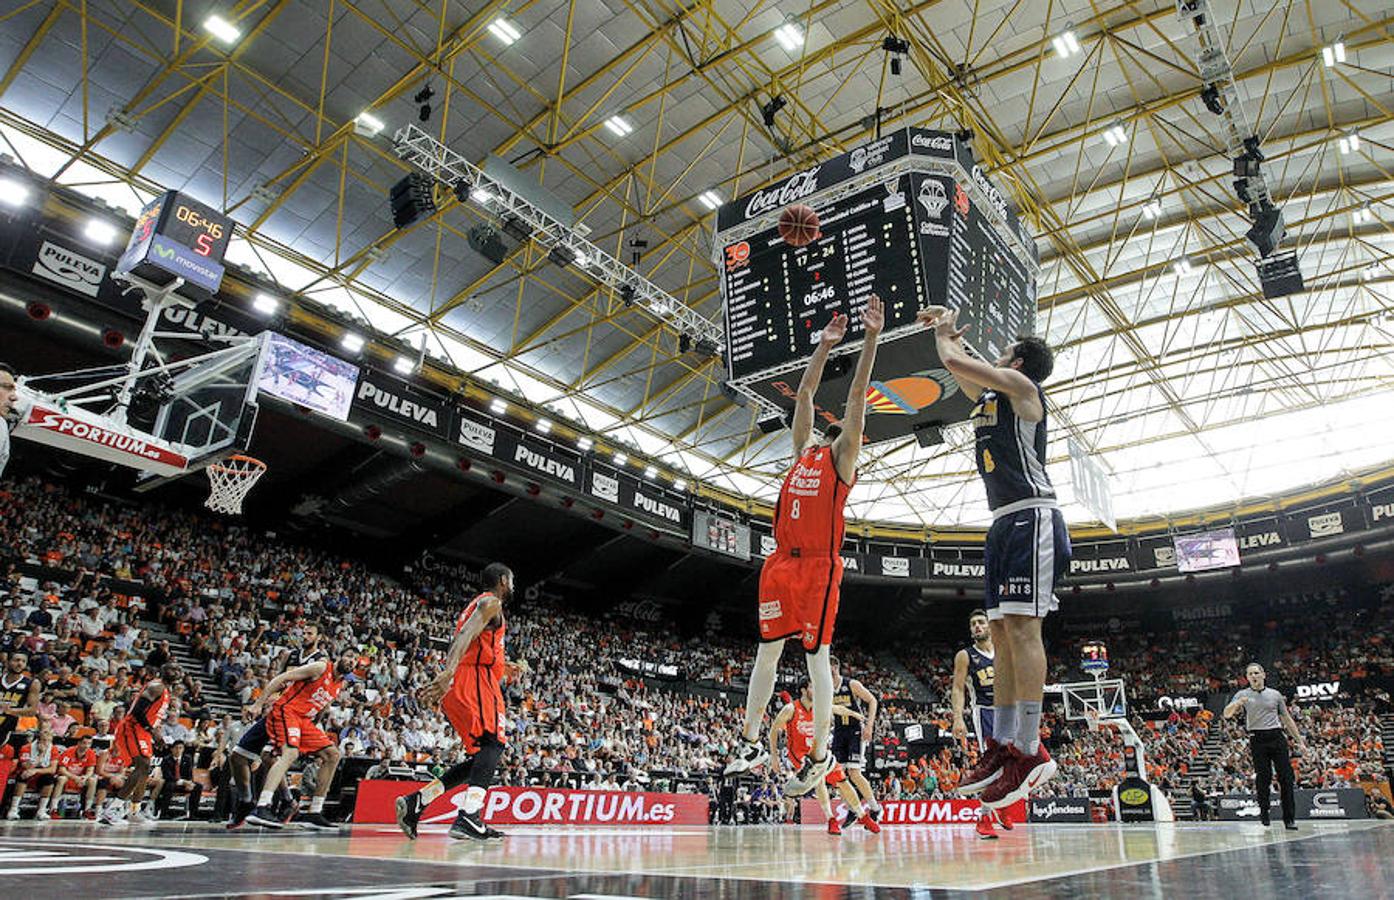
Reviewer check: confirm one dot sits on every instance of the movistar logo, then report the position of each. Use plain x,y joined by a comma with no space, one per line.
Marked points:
166,252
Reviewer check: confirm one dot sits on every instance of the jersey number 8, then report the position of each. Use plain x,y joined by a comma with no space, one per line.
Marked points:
794,510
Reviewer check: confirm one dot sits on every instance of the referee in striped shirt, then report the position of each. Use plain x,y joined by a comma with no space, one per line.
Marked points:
1266,718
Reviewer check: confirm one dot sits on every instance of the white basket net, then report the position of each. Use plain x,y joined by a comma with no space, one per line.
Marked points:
230,481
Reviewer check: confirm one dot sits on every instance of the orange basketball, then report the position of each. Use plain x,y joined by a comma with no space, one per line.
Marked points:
798,225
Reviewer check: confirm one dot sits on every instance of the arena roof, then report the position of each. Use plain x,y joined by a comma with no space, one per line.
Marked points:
1191,387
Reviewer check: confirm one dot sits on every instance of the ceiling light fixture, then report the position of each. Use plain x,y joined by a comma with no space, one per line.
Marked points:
789,35
650,472
368,124
266,304
100,231
710,199
222,29
1152,208
404,365
352,341
680,484
619,125
1334,53
480,195
13,193
1115,134
1182,267
544,426
1350,143
584,443
1066,44
498,406
505,31
1363,215
621,458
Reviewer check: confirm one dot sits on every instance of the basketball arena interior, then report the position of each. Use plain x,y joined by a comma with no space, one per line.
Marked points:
429,395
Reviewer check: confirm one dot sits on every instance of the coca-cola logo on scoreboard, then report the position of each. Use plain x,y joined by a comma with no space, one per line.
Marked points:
799,186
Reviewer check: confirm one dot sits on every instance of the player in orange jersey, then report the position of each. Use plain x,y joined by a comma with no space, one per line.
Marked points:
135,743
796,721
801,580
308,690
469,692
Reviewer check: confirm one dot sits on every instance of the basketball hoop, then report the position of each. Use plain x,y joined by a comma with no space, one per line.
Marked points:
230,481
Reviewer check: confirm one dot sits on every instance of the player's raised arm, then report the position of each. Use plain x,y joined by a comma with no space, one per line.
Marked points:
832,334
307,672
849,443
472,628
973,375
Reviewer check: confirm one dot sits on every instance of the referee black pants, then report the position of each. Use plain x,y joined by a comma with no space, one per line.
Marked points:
1270,751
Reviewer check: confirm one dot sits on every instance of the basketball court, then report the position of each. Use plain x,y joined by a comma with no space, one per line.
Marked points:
1201,860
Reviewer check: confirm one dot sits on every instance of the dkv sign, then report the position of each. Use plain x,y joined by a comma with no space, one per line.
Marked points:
538,806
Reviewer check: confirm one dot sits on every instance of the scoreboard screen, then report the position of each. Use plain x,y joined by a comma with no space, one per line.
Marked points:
993,291
779,297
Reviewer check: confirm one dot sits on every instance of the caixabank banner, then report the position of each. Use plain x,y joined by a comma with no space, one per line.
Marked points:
537,806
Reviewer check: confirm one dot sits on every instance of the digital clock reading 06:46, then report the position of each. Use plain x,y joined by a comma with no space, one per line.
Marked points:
196,226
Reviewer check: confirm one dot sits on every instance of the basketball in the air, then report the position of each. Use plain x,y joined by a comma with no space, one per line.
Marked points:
798,225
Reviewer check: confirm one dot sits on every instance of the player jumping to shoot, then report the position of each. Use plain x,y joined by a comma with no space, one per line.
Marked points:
801,580
1027,548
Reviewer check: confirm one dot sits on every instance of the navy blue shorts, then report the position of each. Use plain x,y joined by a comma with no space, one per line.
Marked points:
847,747
254,740
1027,552
982,724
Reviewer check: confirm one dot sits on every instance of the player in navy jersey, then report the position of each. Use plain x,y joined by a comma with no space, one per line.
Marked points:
1027,549
974,674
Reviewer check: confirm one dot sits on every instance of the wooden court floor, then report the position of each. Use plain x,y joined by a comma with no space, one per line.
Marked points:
1327,860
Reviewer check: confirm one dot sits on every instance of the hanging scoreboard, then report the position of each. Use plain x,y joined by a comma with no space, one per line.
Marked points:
779,297
909,217
175,236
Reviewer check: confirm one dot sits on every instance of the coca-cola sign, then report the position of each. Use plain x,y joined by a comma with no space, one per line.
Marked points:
799,186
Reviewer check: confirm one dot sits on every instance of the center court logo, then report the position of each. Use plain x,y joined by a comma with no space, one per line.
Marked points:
44,858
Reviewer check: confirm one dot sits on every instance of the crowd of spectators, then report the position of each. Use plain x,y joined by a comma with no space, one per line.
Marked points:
241,600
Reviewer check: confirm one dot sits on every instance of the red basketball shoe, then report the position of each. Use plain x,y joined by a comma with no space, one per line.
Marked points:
1020,777
988,769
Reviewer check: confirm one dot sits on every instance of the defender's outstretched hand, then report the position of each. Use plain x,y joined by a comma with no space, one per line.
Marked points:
874,316
834,331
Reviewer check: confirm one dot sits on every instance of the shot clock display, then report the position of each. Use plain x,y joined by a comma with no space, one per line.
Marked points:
178,237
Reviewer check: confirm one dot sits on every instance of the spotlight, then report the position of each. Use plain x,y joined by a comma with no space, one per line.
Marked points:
768,111
684,342
627,293
534,489
463,464
38,311
417,449
113,339
499,477
424,95
1210,96
1267,231
424,113
893,44
771,424
372,432
352,342
705,346
266,304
